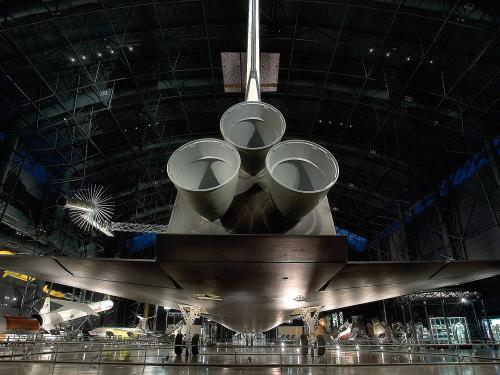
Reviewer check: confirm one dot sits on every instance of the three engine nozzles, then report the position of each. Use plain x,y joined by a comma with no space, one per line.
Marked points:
206,171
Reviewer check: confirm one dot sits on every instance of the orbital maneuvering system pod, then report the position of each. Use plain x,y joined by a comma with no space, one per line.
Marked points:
206,171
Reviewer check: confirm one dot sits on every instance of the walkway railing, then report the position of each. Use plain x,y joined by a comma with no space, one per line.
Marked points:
276,355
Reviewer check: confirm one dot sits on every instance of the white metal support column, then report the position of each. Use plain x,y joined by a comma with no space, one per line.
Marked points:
310,316
190,313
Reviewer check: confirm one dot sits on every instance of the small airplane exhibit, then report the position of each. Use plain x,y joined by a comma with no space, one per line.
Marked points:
48,319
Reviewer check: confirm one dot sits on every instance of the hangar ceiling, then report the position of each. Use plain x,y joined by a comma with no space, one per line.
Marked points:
101,92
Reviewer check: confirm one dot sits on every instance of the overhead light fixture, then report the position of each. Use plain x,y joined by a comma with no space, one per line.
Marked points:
388,54
371,50
84,57
130,48
112,51
72,59
431,61
408,58
99,54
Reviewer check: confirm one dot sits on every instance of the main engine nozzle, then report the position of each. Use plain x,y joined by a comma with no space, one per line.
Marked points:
252,128
205,172
302,173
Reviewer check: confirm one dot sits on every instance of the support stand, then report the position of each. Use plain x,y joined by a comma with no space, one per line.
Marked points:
310,316
190,313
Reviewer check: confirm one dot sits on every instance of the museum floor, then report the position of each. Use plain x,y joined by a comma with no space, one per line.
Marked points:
143,357
85,369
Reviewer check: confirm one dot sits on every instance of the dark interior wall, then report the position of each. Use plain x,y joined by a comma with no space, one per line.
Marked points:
462,225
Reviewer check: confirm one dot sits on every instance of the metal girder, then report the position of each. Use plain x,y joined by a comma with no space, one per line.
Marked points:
138,228
439,295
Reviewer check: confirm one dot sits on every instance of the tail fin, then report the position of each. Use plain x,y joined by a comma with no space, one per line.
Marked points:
143,323
46,306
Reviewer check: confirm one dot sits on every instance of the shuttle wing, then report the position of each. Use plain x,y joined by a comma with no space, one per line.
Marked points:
259,282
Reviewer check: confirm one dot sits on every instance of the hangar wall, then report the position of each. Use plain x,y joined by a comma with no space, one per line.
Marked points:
463,223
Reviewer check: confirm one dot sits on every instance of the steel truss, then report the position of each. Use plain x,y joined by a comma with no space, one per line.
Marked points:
137,228
438,295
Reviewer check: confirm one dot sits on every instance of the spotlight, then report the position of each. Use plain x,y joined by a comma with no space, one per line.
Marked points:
463,300
72,59
112,51
388,54
371,50
99,54
84,57
408,58
431,61
130,48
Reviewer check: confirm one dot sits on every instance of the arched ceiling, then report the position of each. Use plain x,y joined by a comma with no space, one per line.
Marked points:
103,91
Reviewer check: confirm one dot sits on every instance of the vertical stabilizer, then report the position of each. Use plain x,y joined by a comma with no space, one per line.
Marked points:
46,306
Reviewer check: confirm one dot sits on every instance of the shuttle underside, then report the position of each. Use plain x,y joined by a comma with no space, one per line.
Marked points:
251,282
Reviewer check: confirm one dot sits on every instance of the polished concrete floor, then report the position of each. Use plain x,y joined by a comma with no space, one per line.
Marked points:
20,368
143,358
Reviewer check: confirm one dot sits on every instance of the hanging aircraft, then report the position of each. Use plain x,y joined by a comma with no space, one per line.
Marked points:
251,238
45,289
26,278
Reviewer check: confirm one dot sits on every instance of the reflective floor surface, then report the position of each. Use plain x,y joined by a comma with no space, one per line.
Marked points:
123,353
20,368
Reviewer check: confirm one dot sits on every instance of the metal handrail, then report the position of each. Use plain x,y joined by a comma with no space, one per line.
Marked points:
100,349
